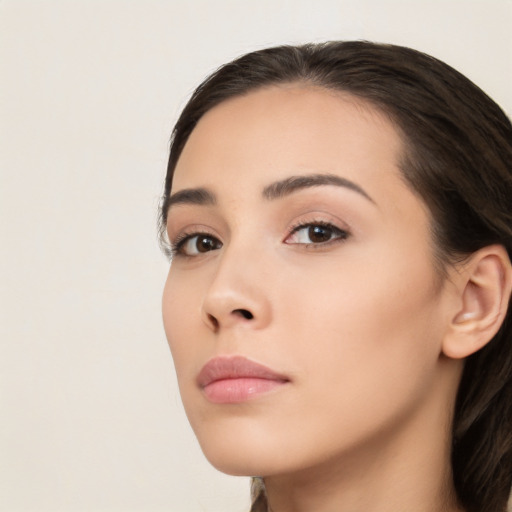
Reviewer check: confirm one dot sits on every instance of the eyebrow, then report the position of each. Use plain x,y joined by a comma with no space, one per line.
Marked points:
199,196
204,197
292,184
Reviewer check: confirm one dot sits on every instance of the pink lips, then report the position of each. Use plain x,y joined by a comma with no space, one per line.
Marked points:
236,379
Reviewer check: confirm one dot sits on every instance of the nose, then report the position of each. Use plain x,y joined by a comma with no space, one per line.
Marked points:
237,294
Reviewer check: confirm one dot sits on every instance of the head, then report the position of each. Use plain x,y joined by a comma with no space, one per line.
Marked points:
434,152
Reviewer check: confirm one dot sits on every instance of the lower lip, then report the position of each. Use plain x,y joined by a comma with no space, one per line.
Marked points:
230,391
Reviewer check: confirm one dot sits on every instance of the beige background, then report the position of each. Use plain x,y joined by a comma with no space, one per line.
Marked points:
90,414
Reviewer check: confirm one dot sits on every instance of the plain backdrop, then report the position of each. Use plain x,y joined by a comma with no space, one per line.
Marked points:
90,414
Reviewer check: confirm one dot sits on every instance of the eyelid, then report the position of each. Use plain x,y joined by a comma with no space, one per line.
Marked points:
182,246
184,229
342,232
321,218
178,241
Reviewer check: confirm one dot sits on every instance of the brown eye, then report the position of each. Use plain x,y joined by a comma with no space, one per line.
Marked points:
194,245
319,234
205,243
316,234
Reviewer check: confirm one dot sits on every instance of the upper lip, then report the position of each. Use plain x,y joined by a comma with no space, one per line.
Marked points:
235,367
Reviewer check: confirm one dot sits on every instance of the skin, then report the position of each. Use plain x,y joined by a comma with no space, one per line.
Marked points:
355,323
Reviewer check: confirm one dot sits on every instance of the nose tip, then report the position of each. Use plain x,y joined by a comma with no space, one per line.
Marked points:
237,296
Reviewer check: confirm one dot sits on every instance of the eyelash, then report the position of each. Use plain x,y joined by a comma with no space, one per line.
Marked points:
340,235
176,246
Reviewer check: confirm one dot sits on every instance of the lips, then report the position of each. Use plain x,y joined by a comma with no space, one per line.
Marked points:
237,379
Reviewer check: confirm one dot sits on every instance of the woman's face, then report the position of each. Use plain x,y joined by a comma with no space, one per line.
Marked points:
299,247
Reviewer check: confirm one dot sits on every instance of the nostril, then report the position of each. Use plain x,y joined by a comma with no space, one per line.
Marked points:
243,312
213,321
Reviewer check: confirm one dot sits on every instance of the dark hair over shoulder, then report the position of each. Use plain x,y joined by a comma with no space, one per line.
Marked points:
458,159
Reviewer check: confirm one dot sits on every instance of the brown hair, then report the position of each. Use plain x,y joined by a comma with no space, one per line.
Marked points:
458,159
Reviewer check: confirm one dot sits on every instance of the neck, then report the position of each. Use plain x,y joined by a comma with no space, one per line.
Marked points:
407,468
377,487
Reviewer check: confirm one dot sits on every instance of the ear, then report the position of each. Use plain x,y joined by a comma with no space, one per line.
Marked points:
484,284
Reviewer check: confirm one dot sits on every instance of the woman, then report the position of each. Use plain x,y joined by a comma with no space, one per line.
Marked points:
340,222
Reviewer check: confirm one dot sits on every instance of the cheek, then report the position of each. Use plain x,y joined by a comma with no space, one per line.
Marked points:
364,359
178,302
370,333
387,288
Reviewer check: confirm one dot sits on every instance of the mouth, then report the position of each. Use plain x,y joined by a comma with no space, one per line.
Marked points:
237,379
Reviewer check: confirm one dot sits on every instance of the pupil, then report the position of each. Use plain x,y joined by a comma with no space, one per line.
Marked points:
204,244
319,234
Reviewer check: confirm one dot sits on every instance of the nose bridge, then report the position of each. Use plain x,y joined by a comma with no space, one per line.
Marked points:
237,294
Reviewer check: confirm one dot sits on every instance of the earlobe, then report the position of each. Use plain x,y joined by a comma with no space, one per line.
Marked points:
484,285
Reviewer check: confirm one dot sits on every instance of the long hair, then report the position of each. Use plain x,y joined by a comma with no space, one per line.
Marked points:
458,159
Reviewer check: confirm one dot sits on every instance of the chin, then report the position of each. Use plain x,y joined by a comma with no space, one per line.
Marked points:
242,455
235,464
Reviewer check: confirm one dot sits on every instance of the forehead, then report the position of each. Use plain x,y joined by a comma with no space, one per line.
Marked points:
271,133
